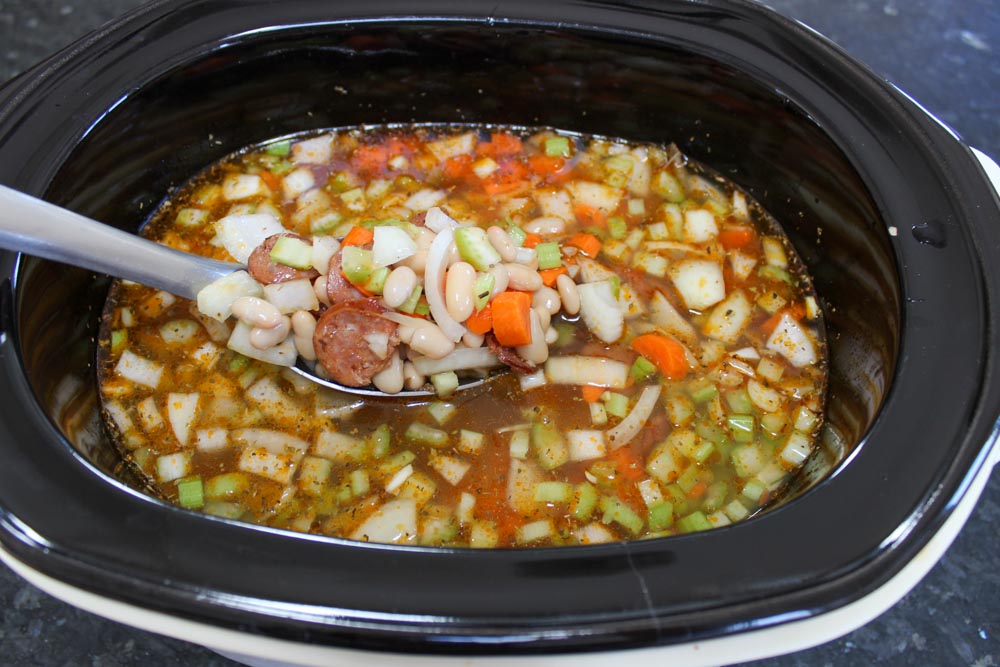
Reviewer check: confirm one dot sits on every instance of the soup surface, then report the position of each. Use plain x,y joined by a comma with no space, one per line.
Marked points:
664,348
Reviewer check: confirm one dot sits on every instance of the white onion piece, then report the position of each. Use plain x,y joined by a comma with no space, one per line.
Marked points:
438,221
273,441
628,428
240,234
437,259
580,370
181,410
395,522
463,358
391,245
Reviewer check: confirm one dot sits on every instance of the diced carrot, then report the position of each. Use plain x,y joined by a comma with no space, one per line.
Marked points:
666,353
628,463
531,240
591,393
482,321
545,165
549,276
501,144
588,244
495,186
589,216
457,167
270,180
370,157
512,318
358,236
736,237
698,490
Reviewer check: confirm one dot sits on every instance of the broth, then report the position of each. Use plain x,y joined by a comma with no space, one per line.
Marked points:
679,395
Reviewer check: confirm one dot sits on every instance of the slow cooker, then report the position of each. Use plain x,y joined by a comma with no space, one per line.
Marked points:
894,216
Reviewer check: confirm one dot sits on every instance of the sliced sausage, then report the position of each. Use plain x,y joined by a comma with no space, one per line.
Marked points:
267,271
509,356
344,338
419,219
338,288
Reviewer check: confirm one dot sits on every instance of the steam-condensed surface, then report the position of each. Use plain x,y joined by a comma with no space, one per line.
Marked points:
673,376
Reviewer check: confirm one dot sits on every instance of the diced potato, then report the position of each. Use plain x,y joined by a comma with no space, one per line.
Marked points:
699,282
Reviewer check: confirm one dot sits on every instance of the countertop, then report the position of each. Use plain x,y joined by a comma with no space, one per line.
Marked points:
944,53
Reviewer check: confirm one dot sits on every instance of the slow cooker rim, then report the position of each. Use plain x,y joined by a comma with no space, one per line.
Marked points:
123,22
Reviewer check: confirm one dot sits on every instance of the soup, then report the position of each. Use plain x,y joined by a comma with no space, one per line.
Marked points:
654,352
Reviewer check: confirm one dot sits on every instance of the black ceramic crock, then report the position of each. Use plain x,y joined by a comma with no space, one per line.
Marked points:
892,214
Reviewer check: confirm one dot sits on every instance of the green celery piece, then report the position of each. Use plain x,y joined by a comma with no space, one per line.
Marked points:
549,256
482,289
410,305
703,392
557,147
118,339
617,227
517,235
380,440
616,404
739,401
775,273
742,427
641,369
553,492
661,516
475,248
190,492
618,512
279,148
376,281
356,264
426,435
550,448
226,485
694,522
292,252
584,501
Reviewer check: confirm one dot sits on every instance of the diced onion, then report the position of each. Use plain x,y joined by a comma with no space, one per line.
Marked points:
462,359
580,370
628,428
391,245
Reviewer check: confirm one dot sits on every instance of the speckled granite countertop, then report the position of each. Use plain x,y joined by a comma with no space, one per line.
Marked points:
945,53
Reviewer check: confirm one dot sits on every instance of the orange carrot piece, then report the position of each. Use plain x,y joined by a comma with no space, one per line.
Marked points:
666,353
589,216
588,244
493,186
482,321
270,180
370,157
628,463
549,276
698,490
736,237
457,167
358,236
545,165
592,394
512,318
797,311
531,240
501,144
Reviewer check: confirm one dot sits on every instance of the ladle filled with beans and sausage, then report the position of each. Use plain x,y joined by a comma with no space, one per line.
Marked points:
666,350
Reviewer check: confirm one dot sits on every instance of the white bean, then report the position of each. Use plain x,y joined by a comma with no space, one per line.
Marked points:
319,286
256,312
523,278
429,340
568,294
501,241
501,279
546,226
473,339
412,380
263,339
417,262
390,379
537,351
551,336
458,291
398,286
543,316
547,298
303,327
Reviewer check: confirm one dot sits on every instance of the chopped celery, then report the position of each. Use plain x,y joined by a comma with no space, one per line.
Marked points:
376,281
360,484
667,186
380,440
557,147
397,461
445,383
711,432
689,478
616,404
326,224
190,492
616,286
753,490
618,512
661,516
739,401
426,435
517,235
222,509
482,289
356,264
407,227
675,494
694,522
441,412
702,392
553,492
410,305
191,217
636,208
279,148
742,427
774,273
550,448
520,443
584,501
475,248
292,252
422,308
549,256
716,496
703,451
641,369
617,227
566,334
483,535
118,339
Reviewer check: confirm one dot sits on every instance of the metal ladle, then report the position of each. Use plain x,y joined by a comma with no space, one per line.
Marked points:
36,227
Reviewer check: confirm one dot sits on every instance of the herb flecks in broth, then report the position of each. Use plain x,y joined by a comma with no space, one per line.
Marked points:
665,345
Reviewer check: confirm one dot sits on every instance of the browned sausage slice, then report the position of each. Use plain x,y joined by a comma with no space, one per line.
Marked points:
265,270
509,356
342,341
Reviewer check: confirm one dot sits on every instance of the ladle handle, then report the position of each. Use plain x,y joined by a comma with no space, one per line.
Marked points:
36,227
